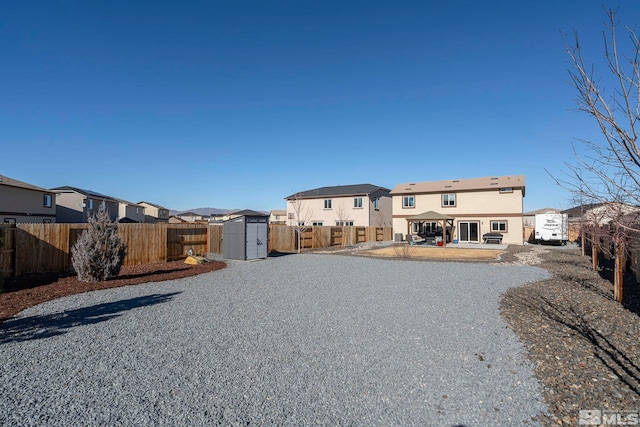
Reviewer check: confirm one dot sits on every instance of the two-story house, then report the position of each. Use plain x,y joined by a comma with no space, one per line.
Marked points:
154,213
348,205
76,204
21,202
473,207
130,212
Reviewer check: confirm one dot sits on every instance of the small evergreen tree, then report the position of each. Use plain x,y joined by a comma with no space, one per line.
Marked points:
99,253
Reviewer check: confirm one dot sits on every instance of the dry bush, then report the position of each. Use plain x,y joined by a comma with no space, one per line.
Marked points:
99,252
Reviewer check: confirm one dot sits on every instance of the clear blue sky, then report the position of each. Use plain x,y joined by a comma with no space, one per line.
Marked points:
238,104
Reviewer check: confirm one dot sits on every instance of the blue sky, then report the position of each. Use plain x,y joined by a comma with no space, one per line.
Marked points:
238,104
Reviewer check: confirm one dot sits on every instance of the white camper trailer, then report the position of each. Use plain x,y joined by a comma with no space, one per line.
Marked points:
552,228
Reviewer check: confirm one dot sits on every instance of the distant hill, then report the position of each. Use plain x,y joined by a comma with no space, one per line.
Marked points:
205,211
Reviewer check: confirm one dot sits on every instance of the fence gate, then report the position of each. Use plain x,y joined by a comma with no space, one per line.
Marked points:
7,249
181,239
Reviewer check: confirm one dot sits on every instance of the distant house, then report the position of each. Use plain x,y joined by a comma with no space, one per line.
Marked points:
348,205
154,213
599,213
75,205
21,202
192,217
278,217
529,218
130,212
472,207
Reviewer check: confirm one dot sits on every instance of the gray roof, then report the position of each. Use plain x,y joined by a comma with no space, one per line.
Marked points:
89,193
248,212
338,190
5,180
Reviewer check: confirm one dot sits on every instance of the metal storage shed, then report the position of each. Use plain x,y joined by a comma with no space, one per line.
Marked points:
245,236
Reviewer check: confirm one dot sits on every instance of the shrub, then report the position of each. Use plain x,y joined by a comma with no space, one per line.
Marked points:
98,254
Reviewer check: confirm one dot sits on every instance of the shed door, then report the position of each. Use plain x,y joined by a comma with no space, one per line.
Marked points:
256,240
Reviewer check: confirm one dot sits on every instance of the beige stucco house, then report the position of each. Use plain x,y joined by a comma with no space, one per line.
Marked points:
278,216
476,206
350,205
21,202
130,212
76,205
154,213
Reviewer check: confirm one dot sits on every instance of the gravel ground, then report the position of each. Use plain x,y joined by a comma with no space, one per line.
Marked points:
299,339
585,346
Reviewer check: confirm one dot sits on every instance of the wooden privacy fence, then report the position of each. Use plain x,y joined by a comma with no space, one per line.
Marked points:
38,248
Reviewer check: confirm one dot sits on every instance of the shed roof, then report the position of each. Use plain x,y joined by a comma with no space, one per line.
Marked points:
469,184
248,212
429,216
338,190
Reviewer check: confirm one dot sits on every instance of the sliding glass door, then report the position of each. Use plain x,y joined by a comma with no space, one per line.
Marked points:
468,231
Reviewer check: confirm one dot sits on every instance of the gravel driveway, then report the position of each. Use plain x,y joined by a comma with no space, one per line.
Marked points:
293,340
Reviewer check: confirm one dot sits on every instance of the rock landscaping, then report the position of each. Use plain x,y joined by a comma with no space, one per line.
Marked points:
585,346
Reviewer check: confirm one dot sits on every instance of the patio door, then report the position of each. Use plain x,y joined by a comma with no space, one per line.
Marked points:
468,231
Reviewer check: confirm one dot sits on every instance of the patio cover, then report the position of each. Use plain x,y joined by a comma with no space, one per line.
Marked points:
432,216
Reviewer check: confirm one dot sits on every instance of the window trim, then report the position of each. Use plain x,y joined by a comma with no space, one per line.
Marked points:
328,204
357,203
498,221
47,197
376,203
448,204
317,223
406,205
9,220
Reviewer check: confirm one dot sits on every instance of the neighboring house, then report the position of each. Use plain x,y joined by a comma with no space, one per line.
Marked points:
25,203
529,218
76,205
473,207
154,213
600,213
192,217
278,217
351,205
176,220
130,212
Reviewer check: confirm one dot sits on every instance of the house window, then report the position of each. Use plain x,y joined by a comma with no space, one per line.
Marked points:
376,203
327,203
344,223
499,226
9,220
47,201
408,202
317,223
137,211
506,190
290,215
46,221
415,227
448,200
90,204
357,202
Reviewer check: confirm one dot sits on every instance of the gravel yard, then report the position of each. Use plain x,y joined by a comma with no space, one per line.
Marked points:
298,339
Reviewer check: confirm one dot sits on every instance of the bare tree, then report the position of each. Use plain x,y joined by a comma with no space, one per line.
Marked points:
607,170
301,217
342,213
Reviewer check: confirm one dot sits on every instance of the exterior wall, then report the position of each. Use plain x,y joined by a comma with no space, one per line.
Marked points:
154,213
342,209
134,212
70,207
25,205
383,216
482,206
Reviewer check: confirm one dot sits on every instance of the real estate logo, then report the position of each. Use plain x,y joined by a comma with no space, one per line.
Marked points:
598,417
